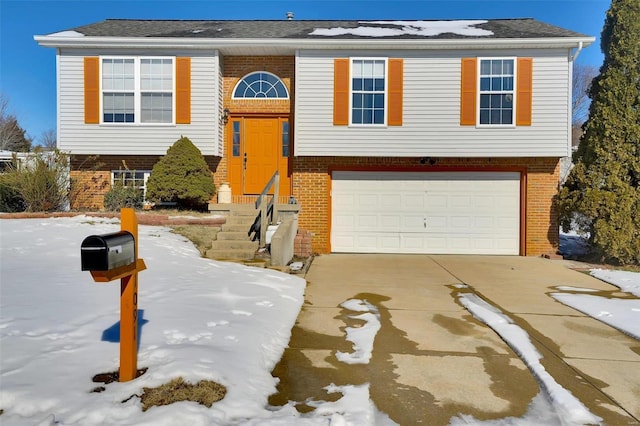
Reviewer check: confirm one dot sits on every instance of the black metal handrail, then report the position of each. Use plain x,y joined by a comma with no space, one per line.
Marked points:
267,210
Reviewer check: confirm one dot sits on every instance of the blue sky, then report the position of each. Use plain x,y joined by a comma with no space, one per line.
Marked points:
27,71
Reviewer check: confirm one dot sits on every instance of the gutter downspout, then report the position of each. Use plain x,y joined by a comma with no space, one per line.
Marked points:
575,55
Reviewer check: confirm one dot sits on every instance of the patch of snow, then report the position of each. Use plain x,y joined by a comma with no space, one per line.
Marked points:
626,281
69,33
539,412
362,337
573,245
623,314
354,408
296,266
568,408
577,289
415,28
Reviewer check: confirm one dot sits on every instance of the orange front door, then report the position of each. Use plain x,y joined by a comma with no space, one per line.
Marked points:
260,155
257,148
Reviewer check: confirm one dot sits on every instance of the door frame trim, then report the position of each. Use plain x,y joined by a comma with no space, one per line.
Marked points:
228,138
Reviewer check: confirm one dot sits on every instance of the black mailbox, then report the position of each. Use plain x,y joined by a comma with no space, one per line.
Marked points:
108,251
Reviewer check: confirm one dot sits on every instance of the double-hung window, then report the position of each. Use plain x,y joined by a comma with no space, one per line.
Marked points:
137,90
118,90
368,91
497,92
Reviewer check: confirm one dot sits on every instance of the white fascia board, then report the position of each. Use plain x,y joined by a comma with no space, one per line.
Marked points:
295,44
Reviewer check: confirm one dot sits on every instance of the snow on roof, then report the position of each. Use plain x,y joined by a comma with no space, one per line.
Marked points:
69,33
420,28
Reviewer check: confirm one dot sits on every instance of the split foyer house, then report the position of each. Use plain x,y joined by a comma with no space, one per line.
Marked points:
392,136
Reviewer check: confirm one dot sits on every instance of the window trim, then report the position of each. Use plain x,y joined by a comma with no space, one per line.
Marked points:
479,92
146,174
137,91
240,80
386,91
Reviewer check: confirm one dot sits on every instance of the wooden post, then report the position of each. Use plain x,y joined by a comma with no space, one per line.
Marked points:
128,275
129,306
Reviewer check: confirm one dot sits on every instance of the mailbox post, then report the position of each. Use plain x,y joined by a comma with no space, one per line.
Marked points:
112,256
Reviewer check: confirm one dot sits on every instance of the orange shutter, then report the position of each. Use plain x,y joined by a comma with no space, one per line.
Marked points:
91,90
183,90
524,96
341,92
395,92
468,83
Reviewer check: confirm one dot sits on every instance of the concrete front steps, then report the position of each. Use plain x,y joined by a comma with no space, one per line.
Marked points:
233,242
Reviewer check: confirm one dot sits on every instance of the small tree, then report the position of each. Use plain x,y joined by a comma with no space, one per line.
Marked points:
602,194
121,196
181,176
12,136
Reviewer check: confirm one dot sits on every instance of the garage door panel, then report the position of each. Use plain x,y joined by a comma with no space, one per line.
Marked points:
391,221
390,201
464,212
413,201
343,202
436,223
413,222
484,222
343,222
368,201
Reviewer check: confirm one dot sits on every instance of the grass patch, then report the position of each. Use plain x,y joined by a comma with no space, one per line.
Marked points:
205,392
202,236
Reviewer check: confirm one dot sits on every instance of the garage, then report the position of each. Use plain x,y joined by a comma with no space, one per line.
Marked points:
425,212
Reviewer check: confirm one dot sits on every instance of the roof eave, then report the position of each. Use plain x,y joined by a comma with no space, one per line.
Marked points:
316,43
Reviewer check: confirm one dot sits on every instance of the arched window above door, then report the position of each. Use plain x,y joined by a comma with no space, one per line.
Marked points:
260,85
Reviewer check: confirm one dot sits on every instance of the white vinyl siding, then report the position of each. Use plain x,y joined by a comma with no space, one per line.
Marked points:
425,212
431,110
130,139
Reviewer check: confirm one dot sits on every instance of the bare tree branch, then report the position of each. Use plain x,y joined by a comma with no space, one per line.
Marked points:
582,77
48,139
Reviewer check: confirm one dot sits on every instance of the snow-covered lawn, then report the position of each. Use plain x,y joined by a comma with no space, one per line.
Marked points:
200,319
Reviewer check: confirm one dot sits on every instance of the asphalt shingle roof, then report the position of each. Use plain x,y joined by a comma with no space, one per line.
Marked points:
301,29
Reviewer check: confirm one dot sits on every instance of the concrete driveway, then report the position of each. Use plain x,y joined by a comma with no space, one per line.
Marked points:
432,360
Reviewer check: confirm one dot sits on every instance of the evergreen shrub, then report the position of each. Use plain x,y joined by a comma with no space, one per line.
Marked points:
181,176
601,196
120,196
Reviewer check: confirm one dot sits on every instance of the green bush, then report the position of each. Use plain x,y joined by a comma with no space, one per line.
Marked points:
41,182
10,199
120,196
181,176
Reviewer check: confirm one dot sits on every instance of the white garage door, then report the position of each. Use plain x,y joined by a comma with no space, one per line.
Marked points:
425,212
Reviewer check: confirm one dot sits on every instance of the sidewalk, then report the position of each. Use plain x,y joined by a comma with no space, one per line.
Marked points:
432,360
